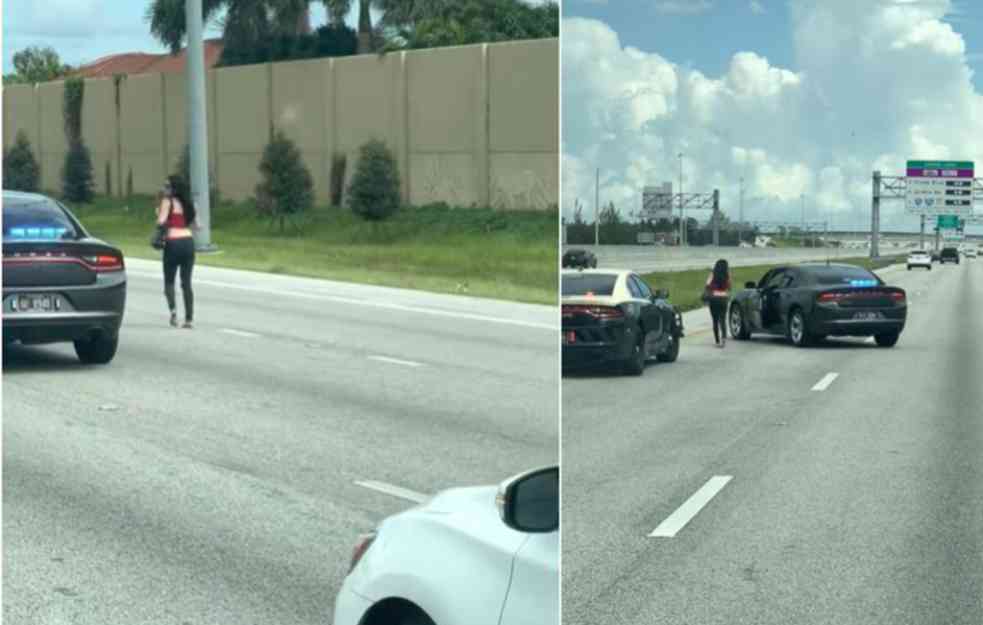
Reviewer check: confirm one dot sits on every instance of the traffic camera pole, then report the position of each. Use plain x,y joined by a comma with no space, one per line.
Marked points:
921,238
875,217
597,207
197,123
716,218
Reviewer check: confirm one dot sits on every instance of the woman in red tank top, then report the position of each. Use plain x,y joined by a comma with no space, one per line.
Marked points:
718,297
177,213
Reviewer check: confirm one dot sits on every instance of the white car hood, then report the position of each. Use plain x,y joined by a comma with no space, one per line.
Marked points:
472,500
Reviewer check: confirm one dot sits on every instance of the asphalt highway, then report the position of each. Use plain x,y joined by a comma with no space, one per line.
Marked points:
767,485
218,475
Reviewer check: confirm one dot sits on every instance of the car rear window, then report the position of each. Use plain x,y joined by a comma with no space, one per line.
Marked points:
843,276
36,220
583,283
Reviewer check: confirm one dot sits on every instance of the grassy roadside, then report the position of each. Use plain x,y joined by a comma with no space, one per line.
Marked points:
685,287
479,252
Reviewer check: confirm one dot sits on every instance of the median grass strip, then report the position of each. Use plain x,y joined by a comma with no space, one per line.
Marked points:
685,287
510,255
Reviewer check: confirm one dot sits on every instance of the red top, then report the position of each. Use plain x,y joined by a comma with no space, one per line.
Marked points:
176,220
722,288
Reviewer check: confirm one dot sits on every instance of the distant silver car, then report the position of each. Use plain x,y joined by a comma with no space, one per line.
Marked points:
920,258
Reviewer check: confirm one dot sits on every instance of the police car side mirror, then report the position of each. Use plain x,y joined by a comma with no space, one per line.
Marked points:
530,502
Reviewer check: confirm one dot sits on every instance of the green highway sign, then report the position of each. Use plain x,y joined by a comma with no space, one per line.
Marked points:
940,165
948,222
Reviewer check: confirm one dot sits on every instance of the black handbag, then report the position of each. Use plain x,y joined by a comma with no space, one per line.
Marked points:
159,238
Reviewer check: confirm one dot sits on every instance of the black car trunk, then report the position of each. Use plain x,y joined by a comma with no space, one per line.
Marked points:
50,263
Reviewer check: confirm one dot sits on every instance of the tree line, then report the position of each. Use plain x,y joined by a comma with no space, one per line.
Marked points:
260,31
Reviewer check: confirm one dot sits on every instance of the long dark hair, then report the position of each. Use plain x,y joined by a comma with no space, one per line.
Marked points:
721,274
180,190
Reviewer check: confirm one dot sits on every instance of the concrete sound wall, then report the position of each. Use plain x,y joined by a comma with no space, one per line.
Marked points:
52,145
472,125
21,111
99,111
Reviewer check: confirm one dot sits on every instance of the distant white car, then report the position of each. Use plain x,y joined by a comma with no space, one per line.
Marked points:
970,252
919,258
475,556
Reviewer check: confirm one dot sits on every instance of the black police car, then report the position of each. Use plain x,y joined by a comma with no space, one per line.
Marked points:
60,284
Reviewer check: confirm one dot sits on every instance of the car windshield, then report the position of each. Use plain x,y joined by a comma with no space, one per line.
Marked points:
36,220
589,283
844,276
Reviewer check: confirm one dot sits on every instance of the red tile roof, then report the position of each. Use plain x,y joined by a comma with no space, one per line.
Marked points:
140,63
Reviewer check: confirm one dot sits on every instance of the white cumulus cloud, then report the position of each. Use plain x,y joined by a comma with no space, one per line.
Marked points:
867,91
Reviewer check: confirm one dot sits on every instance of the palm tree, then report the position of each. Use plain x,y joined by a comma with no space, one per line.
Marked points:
339,9
253,20
396,14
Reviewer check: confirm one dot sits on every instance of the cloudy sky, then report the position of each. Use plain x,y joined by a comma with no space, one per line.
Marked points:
82,31
800,97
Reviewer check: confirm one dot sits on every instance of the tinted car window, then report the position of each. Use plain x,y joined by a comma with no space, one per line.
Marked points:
643,288
846,276
773,279
633,287
34,220
584,283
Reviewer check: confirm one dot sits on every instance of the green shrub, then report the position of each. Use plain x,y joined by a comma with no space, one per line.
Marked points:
20,169
72,108
129,184
77,180
109,180
77,175
339,163
287,188
374,192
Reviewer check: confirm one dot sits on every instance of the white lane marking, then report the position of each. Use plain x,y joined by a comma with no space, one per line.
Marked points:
823,384
364,302
395,491
685,513
396,361
248,335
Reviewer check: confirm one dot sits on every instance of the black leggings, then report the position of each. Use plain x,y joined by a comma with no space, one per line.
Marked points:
718,312
179,253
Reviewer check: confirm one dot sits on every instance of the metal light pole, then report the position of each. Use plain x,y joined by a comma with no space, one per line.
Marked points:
597,209
197,123
740,218
875,217
682,224
802,235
